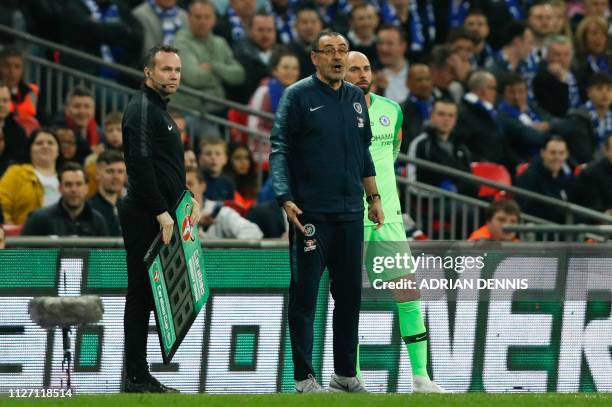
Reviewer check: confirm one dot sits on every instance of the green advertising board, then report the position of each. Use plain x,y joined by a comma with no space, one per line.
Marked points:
177,279
553,336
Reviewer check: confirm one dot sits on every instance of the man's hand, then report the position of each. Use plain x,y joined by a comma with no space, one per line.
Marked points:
460,66
207,220
195,212
542,126
166,224
375,213
292,212
558,71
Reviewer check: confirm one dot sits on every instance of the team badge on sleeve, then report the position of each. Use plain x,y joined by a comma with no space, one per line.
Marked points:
309,230
357,107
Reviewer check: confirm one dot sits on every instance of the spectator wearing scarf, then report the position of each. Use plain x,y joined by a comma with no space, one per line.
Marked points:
233,25
524,124
593,120
103,28
477,24
417,18
592,51
159,24
284,17
555,87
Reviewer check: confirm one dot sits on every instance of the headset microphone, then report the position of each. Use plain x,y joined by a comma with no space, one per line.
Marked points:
156,81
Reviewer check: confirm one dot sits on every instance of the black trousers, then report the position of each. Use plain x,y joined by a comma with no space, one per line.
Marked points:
337,245
139,229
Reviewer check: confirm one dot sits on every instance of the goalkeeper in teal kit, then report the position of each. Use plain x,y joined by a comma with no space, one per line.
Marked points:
386,121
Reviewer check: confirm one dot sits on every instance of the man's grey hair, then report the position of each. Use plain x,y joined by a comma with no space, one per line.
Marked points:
478,79
558,39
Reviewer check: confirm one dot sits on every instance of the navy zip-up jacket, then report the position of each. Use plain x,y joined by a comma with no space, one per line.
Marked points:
320,148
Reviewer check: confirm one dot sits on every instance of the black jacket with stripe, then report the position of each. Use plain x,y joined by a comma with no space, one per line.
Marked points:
153,153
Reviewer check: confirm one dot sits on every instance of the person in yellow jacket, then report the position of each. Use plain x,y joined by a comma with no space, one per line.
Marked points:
27,187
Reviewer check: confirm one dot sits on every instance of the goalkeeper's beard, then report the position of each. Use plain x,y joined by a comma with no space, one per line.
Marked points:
365,90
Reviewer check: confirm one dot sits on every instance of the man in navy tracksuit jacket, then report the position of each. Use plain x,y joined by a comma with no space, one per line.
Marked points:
320,164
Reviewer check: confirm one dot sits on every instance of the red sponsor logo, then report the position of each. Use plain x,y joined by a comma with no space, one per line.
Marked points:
186,228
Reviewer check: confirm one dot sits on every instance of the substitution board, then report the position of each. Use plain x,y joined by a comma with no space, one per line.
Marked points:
177,278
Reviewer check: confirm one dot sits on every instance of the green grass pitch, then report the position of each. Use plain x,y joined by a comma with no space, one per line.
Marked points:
332,400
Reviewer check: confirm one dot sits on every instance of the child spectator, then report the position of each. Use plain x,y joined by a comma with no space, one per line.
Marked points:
212,160
69,148
500,213
242,170
113,140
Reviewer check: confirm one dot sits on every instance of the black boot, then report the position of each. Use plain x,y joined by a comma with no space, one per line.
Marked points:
146,385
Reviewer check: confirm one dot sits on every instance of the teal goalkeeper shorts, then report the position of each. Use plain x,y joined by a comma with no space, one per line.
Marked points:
383,244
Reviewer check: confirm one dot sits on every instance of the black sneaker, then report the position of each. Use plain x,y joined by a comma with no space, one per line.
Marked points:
146,385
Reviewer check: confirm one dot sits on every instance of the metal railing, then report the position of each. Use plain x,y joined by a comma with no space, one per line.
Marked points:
571,209
58,78
460,210
580,233
448,215
130,72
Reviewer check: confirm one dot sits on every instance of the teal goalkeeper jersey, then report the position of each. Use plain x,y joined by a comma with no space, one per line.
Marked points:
386,121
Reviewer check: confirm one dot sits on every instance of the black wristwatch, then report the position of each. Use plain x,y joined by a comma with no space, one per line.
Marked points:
372,198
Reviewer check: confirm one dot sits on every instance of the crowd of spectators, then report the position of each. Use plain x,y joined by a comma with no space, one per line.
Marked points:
524,84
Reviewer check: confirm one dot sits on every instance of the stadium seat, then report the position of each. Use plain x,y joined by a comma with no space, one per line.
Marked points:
241,118
494,172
